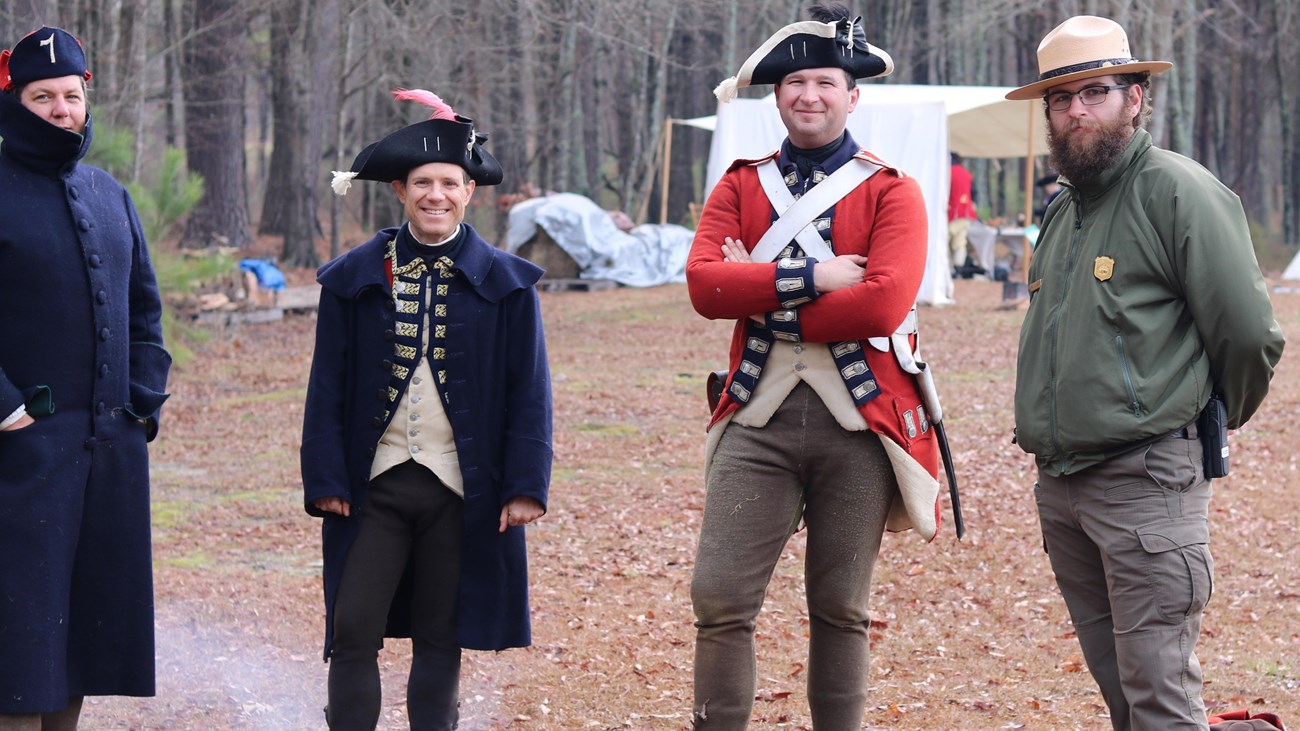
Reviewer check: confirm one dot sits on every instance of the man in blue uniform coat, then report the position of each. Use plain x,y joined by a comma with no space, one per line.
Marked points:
82,375
427,434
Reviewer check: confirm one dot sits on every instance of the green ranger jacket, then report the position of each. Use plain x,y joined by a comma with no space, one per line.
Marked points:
1145,295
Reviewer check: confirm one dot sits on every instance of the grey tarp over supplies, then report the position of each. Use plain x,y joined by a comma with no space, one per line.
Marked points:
647,256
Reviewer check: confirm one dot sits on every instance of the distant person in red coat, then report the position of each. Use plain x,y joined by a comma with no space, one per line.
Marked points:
818,421
961,210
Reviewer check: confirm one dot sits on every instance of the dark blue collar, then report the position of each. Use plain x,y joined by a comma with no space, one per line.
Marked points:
37,144
365,266
827,158
408,247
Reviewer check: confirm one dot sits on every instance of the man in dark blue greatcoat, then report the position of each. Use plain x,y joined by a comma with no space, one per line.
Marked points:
427,435
82,378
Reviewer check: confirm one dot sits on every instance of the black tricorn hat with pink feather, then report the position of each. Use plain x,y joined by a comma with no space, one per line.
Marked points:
444,137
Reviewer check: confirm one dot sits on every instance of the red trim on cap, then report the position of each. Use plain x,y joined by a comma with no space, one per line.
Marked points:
6,84
83,52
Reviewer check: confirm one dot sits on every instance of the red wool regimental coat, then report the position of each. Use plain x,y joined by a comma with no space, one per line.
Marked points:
883,219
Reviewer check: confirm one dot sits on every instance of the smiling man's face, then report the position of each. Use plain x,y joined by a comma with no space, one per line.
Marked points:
434,197
815,105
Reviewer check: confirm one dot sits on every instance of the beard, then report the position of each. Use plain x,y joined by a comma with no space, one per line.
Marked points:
1084,159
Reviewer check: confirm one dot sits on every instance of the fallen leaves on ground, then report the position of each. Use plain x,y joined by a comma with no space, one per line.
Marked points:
964,635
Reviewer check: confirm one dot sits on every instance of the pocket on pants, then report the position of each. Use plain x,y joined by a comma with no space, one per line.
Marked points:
1179,566
1174,464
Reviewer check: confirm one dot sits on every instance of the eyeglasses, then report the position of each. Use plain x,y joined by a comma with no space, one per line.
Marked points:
1060,101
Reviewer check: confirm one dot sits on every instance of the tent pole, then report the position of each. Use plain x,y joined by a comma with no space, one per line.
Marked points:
668,153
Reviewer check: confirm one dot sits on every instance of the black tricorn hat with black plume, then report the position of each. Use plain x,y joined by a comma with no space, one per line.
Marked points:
832,39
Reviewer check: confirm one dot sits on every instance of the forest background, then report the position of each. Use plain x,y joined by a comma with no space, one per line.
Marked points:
265,97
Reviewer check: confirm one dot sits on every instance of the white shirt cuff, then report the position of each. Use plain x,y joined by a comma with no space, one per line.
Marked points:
14,417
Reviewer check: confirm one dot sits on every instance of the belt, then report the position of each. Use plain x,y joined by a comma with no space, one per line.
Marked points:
1187,432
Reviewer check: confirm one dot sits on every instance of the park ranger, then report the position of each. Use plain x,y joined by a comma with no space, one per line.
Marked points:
1147,309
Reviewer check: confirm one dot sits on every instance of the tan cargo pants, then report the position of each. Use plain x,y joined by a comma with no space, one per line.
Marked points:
1128,541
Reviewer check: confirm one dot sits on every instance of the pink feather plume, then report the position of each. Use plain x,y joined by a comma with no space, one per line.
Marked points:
441,110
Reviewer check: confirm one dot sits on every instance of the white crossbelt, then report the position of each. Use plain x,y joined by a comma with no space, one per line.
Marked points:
796,216
795,223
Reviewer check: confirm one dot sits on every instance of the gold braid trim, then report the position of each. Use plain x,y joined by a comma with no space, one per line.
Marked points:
413,269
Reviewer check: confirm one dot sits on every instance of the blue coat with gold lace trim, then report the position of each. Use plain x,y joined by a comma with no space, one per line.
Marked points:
81,348
498,384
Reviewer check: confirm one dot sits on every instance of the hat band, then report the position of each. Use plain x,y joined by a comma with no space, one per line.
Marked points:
1087,66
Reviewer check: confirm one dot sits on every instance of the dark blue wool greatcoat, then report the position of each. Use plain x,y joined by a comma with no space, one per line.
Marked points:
81,345
500,413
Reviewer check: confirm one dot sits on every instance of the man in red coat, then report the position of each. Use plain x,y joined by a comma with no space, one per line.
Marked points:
961,209
820,420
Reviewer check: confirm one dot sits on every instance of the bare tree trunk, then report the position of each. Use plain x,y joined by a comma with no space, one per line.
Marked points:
288,18
649,157
530,123
568,98
111,36
336,247
316,102
1183,80
730,63
1284,20
213,72
171,74
577,126
598,101
1158,20
135,18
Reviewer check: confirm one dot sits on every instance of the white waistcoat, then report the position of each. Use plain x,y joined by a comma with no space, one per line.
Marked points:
787,364
420,429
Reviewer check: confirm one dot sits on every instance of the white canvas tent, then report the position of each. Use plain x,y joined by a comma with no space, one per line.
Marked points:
910,126
1293,269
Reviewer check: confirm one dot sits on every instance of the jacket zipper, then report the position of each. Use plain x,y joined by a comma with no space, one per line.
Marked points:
1133,402
1070,255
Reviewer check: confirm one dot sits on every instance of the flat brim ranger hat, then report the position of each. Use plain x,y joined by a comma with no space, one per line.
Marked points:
1080,48
45,53
444,137
832,41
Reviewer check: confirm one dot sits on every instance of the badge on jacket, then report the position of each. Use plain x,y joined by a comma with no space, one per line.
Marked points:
1103,267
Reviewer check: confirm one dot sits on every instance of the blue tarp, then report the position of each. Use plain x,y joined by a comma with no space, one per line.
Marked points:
268,274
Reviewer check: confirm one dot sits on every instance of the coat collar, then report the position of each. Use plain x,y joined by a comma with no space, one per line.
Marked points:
845,150
1137,147
860,153
365,266
37,144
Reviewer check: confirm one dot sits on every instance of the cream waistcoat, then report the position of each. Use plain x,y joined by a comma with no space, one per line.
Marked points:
787,365
420,429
